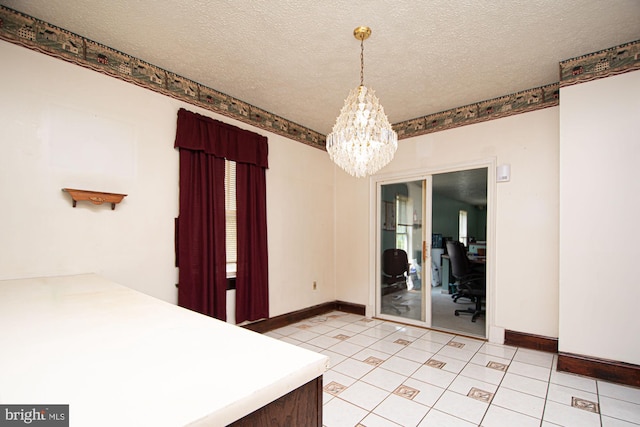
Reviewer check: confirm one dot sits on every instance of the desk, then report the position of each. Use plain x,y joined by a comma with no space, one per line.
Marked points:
122,358
477,260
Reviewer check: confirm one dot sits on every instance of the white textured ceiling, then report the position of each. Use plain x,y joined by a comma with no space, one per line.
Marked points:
469,186
299,59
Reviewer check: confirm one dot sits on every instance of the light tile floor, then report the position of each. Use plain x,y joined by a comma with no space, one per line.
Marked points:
389,374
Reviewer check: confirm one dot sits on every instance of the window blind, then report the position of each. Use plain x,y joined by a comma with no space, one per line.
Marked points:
230,214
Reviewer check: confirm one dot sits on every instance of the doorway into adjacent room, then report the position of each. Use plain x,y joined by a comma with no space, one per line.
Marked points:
459,213
416,218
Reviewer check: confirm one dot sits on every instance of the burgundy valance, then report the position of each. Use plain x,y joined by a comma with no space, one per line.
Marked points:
200,133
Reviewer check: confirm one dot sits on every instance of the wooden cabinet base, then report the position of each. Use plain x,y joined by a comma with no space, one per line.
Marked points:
301,407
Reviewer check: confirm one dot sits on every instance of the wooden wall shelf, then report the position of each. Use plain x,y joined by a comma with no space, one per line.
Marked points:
95,197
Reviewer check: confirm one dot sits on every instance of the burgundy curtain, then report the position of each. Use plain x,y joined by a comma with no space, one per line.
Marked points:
252,290
202,274
201,133
201,224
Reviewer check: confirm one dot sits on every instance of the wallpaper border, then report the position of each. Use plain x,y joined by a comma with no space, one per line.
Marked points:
43,37
503,106
34,34
604,63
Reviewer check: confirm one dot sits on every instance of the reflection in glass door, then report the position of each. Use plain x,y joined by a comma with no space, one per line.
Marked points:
402,227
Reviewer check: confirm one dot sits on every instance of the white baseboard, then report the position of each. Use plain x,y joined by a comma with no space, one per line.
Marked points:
496,335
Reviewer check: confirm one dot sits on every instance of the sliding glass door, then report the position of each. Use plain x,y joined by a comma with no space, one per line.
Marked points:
403,281
415,217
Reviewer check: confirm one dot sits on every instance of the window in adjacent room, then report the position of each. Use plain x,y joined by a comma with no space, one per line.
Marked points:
403,229
462,227
230,216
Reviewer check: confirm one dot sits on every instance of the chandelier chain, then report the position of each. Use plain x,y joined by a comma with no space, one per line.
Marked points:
361,62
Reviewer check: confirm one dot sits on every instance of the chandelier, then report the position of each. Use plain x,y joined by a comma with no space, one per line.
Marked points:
362,140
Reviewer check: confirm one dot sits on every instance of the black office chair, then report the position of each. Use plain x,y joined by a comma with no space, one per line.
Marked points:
395,270
470,284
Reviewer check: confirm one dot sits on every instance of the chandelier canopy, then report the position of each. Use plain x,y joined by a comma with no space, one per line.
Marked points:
362,140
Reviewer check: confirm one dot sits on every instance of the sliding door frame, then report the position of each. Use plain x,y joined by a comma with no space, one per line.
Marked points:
492,332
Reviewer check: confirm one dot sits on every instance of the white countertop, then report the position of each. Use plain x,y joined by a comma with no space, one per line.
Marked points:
119,357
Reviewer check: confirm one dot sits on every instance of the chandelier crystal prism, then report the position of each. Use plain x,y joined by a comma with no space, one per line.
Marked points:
362,140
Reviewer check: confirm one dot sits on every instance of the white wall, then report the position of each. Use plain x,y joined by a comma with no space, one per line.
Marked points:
45,145
353,272
599,205
526,257
300,226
